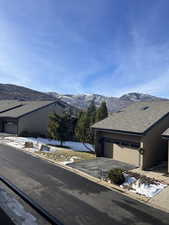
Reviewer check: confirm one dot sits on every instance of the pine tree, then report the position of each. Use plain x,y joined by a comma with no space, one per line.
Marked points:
102,112
85,120
81,126
58,127
91,113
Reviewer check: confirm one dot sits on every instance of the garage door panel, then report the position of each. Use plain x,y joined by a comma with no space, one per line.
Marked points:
10,128
108,150
125,154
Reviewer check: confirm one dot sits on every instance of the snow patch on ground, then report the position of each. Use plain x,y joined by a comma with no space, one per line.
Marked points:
71,160
15,210
148,190
18,142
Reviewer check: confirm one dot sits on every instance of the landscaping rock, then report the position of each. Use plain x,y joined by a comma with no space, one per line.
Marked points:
28,144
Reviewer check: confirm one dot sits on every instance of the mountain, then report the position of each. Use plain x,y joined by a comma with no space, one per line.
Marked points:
114,104
14,92
75,102
135,97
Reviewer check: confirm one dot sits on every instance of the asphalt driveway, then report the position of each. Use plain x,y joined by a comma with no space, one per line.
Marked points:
73,199
100,166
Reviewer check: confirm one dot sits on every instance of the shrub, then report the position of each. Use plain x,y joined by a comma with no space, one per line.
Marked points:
116,176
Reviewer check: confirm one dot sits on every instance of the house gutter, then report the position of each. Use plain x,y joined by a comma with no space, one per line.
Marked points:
118,132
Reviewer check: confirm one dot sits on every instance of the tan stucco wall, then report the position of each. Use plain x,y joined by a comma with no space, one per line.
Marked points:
37,121
155,148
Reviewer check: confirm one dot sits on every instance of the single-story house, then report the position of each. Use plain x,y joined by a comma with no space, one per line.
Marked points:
17,117
134,135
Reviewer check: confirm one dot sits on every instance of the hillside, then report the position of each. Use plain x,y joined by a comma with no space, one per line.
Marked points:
14,92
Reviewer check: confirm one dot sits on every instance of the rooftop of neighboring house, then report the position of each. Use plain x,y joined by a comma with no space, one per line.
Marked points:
15,109
136,118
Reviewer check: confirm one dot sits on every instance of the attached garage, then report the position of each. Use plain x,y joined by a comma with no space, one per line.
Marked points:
122,151
10,127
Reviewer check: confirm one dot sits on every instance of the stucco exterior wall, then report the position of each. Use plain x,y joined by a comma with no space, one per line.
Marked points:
37,121
155,148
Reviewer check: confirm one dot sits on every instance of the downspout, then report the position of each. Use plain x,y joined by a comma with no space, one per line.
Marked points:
17,127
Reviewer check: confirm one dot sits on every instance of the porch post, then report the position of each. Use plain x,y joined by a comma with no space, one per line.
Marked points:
141,156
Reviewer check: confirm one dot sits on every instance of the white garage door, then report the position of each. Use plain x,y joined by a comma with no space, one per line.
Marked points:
126,154
10,128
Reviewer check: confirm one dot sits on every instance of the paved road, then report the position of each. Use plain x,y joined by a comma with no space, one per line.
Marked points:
73,199
4,219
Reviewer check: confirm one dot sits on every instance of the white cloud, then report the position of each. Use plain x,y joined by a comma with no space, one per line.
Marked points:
141,67
51,53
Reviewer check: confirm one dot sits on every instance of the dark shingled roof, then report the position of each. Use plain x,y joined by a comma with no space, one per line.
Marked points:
136,118
15,109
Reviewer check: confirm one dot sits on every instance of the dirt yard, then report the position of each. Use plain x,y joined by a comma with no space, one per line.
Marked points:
66,155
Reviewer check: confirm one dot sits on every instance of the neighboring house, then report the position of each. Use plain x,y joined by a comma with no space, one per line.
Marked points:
133,135
17,117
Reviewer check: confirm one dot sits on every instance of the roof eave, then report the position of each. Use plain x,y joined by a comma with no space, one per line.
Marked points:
41,107
119,131
154,124
135,133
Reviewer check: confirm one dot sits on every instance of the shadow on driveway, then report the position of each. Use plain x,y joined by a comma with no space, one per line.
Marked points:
100,166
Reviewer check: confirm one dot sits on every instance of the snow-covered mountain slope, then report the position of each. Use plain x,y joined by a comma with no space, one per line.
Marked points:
139,97
114,104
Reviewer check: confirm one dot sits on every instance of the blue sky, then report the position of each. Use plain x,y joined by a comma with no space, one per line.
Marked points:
108,47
